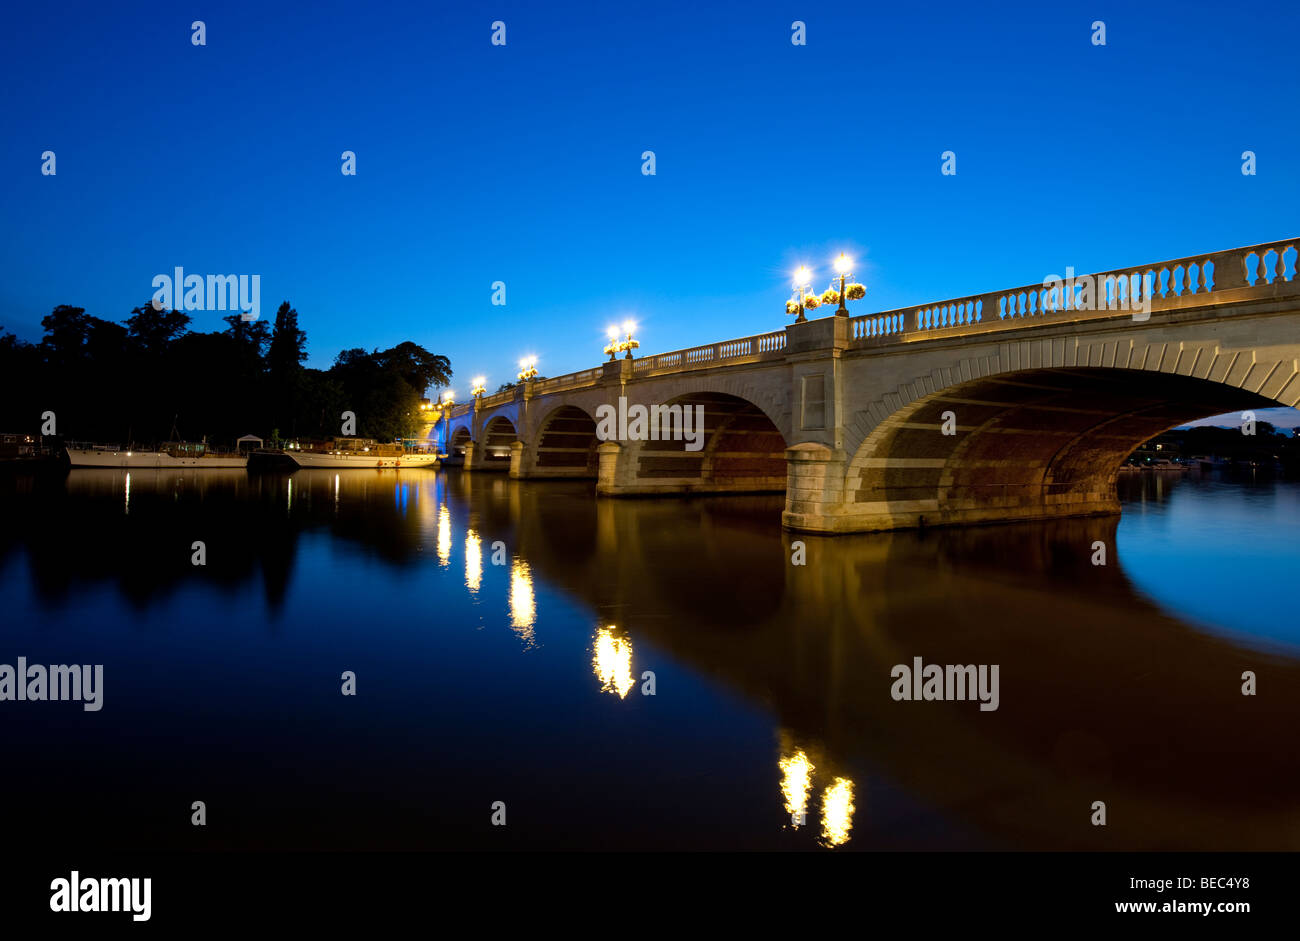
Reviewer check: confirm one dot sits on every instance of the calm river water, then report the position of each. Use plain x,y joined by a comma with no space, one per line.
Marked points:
522,682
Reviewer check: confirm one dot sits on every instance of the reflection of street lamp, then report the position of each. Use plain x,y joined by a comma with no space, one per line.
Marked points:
527,368
843,265
802,284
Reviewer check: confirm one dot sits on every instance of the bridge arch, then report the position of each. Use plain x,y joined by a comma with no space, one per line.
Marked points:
493,448
981,443
770,398
460,439
564,444
737,448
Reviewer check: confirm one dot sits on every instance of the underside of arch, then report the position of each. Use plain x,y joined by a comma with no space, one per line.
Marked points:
498,435
1022,445
566,445
732,447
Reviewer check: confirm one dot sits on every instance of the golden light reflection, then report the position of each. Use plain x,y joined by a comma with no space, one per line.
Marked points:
523,611
473,561
612,661
444,535
837,812
796,782
127,509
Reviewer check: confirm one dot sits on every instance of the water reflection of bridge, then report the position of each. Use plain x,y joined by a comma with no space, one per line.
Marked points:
1104,695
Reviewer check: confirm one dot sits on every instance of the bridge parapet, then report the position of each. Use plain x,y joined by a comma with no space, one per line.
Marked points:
1218,277
496,398
573,380
755,349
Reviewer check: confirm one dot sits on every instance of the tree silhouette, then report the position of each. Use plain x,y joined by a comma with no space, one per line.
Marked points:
124,382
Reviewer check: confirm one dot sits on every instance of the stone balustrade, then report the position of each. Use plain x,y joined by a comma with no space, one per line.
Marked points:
573,380
764,346
1265,270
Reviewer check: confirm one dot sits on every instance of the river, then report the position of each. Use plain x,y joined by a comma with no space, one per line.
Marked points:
504,638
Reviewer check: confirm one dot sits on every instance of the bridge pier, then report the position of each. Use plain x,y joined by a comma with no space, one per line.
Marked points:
519,463
612,469
814,494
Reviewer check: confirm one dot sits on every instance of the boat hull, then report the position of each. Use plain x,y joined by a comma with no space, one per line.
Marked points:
311,459
85,457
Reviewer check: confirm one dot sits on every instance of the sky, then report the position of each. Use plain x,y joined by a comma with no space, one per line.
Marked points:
522,163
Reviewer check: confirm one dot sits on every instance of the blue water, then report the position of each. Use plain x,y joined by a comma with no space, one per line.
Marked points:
523,682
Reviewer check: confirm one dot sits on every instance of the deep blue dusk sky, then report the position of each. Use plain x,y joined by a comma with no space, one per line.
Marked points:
522,163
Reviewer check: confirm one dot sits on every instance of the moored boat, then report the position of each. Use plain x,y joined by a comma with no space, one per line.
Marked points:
172,454
361,454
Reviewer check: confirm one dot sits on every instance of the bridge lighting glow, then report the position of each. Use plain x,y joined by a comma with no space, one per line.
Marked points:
796,782
479,385
612,332
444,535
612,661
527,368
523,609
473,561
802,276
837,812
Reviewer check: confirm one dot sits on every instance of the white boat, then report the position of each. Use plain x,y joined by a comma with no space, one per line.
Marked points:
344,459
361,454
176,454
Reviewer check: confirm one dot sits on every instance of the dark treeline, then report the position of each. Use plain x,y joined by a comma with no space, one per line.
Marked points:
128,382
1265,443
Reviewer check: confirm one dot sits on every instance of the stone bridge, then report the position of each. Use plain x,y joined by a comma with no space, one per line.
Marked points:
1016,404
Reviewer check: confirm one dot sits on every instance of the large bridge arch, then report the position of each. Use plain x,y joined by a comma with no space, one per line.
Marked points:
1038,433
1240,368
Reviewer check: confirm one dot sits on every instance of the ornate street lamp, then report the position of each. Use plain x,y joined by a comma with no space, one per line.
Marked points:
616,346
843,265
629,326
802,284
527,368
479,387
